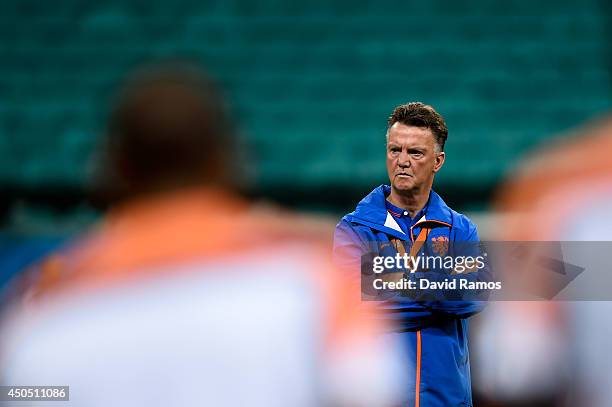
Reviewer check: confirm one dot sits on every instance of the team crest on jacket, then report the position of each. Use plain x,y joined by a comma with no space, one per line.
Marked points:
440,245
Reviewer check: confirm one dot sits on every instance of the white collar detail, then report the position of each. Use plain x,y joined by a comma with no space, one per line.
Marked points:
391,223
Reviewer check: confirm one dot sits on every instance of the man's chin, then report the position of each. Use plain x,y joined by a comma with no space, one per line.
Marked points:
403,186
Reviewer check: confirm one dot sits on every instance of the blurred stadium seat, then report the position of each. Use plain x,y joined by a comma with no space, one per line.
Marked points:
311,82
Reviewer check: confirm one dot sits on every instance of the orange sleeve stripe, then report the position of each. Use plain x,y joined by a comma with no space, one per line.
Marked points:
418,370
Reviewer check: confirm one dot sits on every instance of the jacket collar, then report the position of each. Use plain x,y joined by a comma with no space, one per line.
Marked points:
372,211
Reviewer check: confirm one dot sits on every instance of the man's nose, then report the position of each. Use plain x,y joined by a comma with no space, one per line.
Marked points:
404,160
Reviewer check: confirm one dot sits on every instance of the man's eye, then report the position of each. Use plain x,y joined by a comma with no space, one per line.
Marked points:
417,154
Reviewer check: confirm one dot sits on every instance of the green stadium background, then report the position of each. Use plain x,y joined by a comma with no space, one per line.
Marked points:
310,85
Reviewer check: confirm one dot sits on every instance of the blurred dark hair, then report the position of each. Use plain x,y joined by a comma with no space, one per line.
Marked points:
421,115
168,129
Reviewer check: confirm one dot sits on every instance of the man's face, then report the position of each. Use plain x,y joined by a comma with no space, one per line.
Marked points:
412,157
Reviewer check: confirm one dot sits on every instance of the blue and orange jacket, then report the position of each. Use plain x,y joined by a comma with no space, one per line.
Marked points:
434,333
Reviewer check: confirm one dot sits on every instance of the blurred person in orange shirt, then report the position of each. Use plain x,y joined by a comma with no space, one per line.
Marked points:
562,193
565,192
186,294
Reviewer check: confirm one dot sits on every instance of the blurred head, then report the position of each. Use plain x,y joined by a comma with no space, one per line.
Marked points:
168,130
416,134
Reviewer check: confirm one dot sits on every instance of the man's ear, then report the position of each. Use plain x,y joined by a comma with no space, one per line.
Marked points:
440,157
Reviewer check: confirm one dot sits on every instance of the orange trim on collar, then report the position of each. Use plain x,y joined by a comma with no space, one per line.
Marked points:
397,215
431,221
